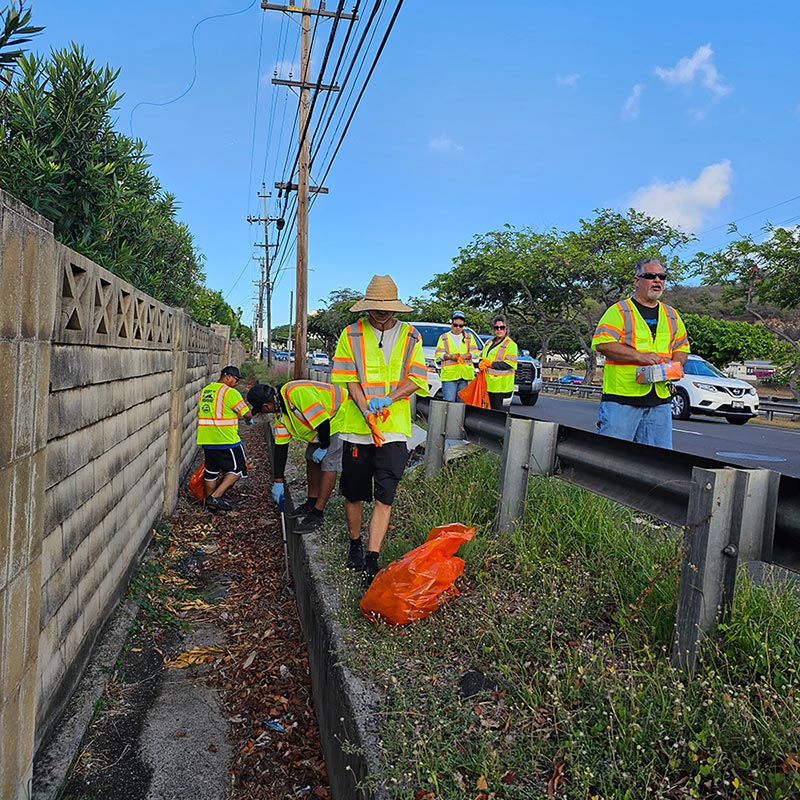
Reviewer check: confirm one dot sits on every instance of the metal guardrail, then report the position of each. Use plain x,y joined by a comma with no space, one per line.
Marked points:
728,514
767,408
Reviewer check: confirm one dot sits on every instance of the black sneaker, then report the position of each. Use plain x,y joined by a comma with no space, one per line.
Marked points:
309,523
371,568
304,509
355,557
217,504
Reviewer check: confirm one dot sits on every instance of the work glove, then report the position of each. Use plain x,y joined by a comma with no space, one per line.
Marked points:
249,421
278,491
372,421
319,454
459,359
377,404
484,363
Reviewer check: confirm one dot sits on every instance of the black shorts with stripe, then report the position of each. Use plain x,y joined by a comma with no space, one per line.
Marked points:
222,461
365,466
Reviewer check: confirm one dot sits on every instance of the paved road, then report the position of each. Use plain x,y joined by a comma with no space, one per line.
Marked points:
751,445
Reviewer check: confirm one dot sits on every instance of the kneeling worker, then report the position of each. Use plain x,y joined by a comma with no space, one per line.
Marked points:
306,410
219,409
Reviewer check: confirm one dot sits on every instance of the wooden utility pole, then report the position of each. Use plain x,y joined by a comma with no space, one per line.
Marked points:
265,285
303,188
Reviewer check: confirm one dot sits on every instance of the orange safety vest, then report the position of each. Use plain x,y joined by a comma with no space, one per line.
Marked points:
624,324
454,371
501,380
218,414
358,359
308,404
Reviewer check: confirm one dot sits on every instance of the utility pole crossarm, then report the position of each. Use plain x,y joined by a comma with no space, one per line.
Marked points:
303,85
320,12
292,187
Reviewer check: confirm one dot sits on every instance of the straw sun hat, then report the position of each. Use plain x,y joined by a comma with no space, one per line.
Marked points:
381,296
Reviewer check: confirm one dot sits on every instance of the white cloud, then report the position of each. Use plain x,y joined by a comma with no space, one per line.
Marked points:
631,106
568,80
444,144
699,66
684,203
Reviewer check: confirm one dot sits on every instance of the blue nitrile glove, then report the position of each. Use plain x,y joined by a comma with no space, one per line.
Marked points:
319,454
278,491
248,421
377,404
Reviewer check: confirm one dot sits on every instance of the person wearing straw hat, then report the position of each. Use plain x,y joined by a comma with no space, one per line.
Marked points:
380,361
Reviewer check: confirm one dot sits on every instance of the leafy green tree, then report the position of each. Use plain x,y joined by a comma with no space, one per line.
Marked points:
61,156
335,315
560,279
16,31
761,272
722,341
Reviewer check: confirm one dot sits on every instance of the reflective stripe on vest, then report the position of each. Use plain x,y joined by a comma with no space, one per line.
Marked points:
308,404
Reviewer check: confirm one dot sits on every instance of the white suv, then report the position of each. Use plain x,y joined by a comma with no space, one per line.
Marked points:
704,389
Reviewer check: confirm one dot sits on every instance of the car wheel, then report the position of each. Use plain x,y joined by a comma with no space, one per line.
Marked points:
680,405
529,399
734,420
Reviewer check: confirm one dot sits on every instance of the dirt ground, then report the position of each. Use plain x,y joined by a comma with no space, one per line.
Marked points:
230,566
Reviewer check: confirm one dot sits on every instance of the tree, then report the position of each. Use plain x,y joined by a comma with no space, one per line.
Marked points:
329,322
721,341
560,279
764,272
16,31
61,156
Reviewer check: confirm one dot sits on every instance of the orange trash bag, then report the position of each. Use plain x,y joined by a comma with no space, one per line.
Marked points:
196,482
475,392
418,583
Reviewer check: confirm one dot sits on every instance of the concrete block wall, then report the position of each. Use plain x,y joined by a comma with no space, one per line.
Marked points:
98,387
27,309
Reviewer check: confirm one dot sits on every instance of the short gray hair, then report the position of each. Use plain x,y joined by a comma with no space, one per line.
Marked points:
643,262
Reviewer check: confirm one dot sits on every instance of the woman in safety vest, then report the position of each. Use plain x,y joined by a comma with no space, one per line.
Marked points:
499,363
455,352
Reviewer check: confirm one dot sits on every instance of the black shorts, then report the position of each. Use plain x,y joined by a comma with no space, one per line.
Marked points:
230,459
365,464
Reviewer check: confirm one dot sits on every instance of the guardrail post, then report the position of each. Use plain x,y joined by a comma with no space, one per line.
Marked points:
529,448
434,444
731,515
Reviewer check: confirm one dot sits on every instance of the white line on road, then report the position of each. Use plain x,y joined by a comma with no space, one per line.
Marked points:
681,430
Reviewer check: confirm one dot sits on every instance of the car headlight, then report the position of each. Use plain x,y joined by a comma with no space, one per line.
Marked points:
430,363
708,387
750,390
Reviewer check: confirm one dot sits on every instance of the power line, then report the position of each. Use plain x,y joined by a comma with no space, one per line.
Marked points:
747,216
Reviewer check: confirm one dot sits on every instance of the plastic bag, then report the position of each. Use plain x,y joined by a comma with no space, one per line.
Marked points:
419,582
196,482
656,373
475,392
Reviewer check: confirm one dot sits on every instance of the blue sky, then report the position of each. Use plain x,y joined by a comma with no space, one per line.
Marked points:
478,114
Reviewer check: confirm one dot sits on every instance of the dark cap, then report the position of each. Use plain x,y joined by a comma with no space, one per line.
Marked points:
260,394
232,371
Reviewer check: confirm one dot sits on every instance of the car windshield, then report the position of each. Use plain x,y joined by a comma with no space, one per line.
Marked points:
431,333
696,366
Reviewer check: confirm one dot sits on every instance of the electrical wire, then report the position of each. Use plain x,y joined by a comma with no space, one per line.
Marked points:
747,216
194,56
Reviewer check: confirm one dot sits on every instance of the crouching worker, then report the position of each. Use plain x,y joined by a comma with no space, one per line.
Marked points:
219,409
306,410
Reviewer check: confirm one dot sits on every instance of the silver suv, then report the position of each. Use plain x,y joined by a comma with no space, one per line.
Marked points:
704,389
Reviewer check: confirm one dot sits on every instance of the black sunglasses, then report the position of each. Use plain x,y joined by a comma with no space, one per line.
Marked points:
499,327
654,276
457,324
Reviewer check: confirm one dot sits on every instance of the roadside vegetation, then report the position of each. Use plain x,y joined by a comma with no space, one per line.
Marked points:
549,676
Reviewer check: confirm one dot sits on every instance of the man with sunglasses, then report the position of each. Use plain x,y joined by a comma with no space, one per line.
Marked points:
455,352
634,333
218,415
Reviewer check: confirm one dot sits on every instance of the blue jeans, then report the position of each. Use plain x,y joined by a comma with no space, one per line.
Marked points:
651,425
450,390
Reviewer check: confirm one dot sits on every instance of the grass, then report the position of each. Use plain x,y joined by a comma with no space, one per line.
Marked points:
570,621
